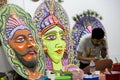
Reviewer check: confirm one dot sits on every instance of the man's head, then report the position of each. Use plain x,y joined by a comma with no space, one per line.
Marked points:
97,36
98,33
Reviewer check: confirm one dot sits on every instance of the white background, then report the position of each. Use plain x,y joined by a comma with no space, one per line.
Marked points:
108,9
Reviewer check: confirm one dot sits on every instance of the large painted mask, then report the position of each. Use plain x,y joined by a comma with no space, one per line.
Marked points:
53,26
84,23
20,42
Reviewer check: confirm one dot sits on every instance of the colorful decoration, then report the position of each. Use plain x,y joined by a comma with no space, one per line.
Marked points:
85,22
20,42
72,67
77,73
53,28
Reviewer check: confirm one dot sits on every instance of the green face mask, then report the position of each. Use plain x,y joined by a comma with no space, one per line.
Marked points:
54,41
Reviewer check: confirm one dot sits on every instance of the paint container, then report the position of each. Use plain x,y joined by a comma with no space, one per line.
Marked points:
116,67
91,77
114,75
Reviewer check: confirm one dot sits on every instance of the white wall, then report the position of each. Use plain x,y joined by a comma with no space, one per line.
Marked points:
4,64
108,9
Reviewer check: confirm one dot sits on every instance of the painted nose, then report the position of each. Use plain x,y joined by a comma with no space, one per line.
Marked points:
31,44
59,43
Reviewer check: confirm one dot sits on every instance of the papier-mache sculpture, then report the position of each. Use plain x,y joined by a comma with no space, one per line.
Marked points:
53,28
20,42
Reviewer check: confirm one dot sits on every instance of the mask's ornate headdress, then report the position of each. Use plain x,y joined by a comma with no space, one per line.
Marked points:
13,24
50,20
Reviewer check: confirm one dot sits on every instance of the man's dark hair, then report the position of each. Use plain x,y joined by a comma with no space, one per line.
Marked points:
98,33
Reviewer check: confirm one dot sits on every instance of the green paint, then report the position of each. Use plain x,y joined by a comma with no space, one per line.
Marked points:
54,40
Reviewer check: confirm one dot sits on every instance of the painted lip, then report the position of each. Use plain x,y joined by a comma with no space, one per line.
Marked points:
31,52
59,51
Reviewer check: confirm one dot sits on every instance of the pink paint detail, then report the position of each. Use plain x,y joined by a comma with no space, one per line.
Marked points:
89,29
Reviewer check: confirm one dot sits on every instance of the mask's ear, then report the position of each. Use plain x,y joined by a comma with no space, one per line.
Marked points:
11,44
44,48
39,34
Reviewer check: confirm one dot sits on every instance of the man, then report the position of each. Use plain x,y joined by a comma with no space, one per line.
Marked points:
92,47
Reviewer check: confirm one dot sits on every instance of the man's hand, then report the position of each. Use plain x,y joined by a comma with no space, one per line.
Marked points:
103,43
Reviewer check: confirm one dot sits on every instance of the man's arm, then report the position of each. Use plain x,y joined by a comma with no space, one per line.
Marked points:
104,49
103,52
100,65
88,58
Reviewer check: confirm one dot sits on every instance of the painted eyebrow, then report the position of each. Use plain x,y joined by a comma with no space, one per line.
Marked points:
51,32
22,35
61,31
19,36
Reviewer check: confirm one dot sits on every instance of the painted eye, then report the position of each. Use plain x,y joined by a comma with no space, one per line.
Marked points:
20,39
30,37
51,37
63,37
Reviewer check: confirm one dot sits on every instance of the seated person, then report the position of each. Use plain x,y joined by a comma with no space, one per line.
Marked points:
93,47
